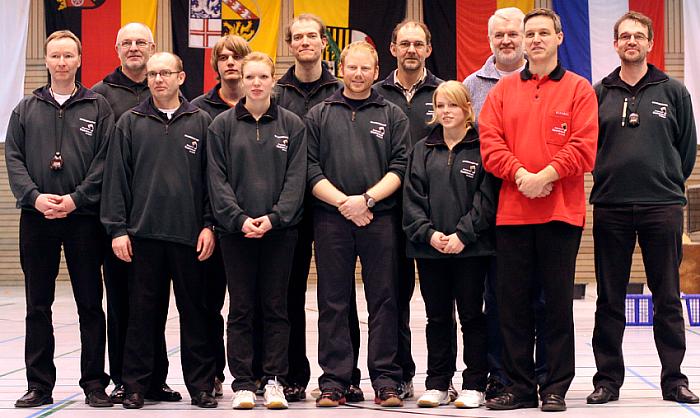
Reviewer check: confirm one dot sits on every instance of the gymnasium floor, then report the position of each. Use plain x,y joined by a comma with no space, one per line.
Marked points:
640,396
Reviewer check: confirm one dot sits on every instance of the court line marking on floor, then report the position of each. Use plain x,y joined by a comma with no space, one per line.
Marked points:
55,407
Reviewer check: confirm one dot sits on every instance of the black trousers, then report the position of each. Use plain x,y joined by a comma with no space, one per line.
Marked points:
338,243
257,271
299,367
40,242
531,257
154,263
659,231
215,282
116,277
406,285
444,282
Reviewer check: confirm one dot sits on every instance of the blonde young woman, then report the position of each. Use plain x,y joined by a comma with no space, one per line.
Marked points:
449,213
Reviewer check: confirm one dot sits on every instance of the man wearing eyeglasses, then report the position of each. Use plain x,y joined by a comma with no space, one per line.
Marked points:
155,208
411,88
646,151
125,88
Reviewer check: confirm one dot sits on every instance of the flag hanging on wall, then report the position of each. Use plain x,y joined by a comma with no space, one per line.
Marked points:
588,27
460,33
353,20
13,29
199,24
96,23
691,48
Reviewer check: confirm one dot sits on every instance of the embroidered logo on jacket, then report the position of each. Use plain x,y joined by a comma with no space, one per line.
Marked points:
469,168
378,130
88,128
193,145
282,142
661,111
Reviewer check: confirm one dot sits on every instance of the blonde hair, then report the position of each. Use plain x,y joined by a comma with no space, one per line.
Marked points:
456,93
258,57
360,45
61,34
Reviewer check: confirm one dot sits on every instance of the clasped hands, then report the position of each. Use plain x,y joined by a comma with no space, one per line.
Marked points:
533,185
53,206
354,208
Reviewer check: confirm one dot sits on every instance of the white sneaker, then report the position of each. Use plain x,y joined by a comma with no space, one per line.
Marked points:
243,399
274,396
470,399
433,397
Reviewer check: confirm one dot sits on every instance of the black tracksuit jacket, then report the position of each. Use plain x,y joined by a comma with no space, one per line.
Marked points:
256,168
155,176
449,191
83,125
121,92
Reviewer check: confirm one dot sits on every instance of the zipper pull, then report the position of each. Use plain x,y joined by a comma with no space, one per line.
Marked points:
353,116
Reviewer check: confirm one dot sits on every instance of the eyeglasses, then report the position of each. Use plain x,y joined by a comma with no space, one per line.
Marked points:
162,73
626,37
140,44
405,45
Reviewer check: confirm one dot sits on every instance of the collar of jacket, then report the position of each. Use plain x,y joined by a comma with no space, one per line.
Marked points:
556,74
289,79
44,93
148,108
118,78
430,81
437,138
213,97
374,98
653,76
243,113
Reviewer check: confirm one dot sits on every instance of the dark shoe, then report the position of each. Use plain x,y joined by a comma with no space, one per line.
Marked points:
494,388
295,393
98,399
330,398
218,388
553,403
601,395
388,397
204,400
681,394
354,394
133,401
508,401
164,394
117,394
260,391
405,389
34,397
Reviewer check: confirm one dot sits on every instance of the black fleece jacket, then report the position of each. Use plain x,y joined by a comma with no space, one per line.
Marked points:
354,149
290,95
211,102
83,126
155,182
648,164
121,92
449,191
256,168
419,110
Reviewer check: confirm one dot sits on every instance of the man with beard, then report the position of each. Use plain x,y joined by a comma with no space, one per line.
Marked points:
306,83
411,88
125,88
505,34
646,151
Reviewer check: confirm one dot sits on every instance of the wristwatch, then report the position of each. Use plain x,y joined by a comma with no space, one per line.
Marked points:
369,200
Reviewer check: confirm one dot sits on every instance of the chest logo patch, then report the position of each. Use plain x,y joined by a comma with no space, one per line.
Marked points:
193,145
378,129
469,168
282,142
661,110
561,129
88,126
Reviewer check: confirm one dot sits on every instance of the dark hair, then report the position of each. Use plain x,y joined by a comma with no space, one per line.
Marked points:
637,17
421,25
305,16
546,13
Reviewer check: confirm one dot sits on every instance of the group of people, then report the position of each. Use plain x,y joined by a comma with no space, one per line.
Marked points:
477,184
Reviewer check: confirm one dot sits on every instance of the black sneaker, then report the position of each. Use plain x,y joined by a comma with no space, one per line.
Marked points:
295,393
405,389
354,394
388,397
494,388
330,398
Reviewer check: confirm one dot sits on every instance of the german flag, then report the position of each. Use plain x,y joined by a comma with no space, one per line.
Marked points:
96,23
460,33
352,20
198,25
